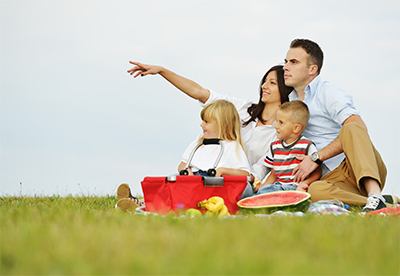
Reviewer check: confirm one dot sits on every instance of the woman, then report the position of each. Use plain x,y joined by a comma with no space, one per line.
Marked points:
257,118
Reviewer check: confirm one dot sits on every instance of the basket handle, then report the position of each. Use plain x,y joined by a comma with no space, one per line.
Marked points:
213,181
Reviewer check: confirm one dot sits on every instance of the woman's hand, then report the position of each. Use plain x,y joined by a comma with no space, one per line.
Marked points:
143,69
187,86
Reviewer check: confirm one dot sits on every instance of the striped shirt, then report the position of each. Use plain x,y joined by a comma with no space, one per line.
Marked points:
283,158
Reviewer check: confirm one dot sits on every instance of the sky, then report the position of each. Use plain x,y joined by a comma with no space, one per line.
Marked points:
73,122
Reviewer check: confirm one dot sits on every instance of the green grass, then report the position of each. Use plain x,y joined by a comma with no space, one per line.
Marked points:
86,235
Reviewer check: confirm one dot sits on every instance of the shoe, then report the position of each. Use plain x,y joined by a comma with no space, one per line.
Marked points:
127,205
373,203
391,199
123,191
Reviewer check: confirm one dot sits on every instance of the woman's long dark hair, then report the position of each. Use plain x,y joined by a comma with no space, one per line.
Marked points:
255,110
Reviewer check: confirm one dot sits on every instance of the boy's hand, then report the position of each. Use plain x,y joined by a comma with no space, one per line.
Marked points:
256,184
303,187
143,69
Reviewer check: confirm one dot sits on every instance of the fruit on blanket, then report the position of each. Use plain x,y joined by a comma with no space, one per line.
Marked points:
271,202
193,212
215,206
224,211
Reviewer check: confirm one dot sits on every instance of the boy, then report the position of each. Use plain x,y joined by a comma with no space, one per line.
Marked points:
291,120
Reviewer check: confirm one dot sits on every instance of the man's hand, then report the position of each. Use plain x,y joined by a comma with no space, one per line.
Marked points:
304,169
141,69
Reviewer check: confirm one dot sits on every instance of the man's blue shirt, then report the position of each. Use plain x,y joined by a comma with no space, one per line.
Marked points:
329,107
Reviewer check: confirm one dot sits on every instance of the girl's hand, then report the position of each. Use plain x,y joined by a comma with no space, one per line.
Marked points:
143,69
220,172
190,171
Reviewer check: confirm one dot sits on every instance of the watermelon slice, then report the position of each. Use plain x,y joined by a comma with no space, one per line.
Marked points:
393,211
271,202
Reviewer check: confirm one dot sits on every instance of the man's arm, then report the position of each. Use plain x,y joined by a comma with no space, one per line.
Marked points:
334,148
314,176
189,87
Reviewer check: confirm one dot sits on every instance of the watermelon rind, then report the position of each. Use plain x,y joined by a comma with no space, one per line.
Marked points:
300,205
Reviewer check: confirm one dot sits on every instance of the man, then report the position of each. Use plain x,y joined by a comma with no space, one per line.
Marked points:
354,171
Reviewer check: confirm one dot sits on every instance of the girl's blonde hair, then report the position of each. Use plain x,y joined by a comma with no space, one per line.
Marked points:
227,118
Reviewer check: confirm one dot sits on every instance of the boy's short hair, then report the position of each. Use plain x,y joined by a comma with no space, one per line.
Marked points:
299,112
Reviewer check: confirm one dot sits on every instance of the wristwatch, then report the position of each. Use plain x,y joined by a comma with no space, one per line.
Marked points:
315,158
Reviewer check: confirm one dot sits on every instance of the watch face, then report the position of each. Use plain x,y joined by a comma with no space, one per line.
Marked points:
314,156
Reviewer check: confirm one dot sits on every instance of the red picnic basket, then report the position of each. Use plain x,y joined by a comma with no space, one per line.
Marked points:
166,194
180,192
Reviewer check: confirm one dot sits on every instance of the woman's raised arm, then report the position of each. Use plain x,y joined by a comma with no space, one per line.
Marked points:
189,87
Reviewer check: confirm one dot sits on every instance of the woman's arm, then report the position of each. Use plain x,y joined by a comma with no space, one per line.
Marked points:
189,87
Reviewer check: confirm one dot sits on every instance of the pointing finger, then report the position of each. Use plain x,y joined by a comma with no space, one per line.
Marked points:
137,73
135,62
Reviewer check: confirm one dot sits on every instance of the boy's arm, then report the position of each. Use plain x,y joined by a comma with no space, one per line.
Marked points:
270,179
228,171
187,86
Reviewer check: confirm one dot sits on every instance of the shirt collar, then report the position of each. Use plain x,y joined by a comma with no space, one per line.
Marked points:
312,86
309,89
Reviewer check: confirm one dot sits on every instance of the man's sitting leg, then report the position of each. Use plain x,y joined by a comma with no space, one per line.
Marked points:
375,199
326,190
364,163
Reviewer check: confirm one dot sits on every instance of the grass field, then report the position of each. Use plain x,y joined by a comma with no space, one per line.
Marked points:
86,235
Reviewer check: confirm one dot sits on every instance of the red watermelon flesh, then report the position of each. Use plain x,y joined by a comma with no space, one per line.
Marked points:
274,199
394,211
269,202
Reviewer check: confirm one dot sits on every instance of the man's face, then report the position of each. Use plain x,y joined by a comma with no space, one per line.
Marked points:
297,68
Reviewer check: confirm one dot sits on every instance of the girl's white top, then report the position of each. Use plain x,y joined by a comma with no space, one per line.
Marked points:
256,139
233,156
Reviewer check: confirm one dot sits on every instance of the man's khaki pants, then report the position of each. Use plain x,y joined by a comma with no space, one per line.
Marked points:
362,160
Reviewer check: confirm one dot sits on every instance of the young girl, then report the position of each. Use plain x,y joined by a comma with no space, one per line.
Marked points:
218,150
221,135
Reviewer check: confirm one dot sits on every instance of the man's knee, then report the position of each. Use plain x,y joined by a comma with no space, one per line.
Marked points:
320,190
353,128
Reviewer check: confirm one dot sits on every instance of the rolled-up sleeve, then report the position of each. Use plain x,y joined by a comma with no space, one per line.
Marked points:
339,105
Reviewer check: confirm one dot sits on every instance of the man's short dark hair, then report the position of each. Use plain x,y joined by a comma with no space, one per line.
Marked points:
311,48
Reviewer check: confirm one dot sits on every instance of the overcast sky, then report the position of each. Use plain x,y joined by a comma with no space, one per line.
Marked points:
72,121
